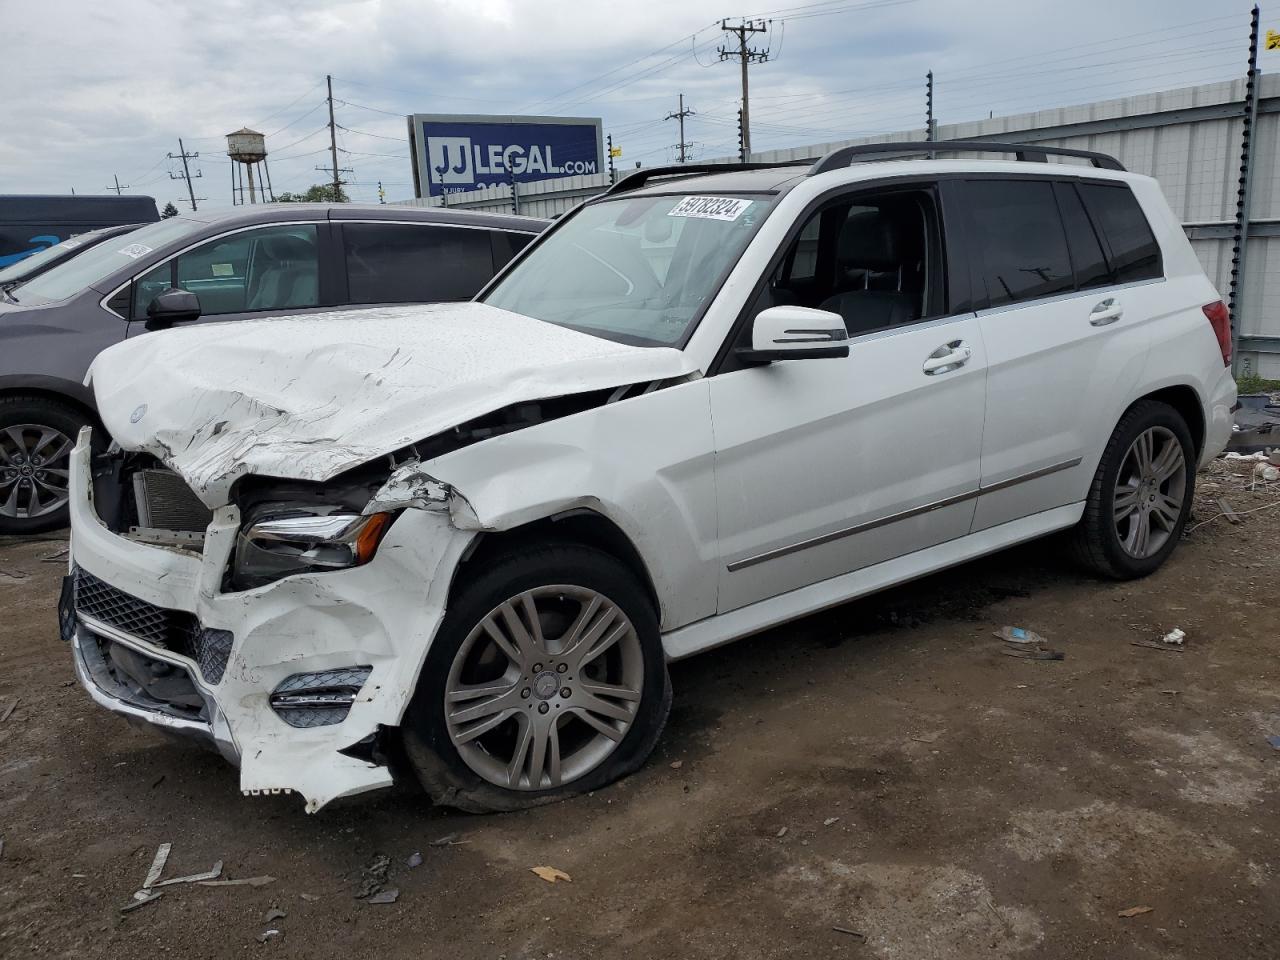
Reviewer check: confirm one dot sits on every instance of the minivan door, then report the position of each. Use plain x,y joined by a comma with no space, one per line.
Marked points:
1063,340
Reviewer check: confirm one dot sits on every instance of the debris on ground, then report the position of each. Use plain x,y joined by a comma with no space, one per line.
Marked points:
17,576
851,933
157,865
1174,637
1,848
60,554
374,877
140,901
1019,635
213,873
1228,511
677,764
781,833
1026,653
275,913
309,897
830,820
9,708
1274,741
449,840
242,882
927,738
389,895
414,860
551,874
266,935
1170,647
1266,472
1135,911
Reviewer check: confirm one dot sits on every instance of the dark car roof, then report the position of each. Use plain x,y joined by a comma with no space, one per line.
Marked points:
79,208
272,212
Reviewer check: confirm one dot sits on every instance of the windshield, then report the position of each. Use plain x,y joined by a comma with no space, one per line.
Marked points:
636,270
17,272
103,260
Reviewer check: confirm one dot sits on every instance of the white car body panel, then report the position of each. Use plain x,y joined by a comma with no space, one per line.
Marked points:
707,477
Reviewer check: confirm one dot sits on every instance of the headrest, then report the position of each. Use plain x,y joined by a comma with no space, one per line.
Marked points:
287,247
868,240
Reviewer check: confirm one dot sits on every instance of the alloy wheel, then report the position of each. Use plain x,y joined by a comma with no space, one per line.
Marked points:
35,463
1150,489
544,687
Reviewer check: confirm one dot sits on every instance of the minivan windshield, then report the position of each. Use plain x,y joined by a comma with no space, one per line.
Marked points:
638,270
45,259
103,260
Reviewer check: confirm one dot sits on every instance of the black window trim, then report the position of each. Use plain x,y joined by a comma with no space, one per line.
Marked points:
1105,240
955,257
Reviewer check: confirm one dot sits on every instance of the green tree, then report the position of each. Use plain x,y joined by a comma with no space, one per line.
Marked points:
169,211
316,193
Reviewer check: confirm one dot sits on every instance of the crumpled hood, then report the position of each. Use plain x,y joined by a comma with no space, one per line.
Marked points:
308,397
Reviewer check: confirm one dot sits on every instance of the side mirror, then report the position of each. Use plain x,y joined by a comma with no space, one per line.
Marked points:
795,333
172,306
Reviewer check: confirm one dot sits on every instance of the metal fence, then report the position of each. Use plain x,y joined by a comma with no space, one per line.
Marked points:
1189,139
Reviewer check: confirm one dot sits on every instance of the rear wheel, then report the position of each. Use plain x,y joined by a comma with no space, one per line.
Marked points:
1141,493
36,437
547,679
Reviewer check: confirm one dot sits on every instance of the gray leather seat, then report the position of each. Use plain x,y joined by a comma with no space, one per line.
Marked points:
870,261
286,274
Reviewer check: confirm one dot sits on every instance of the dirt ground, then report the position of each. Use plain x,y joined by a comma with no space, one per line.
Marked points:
882,768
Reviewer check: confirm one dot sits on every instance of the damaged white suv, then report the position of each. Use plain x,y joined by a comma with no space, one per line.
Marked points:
707,402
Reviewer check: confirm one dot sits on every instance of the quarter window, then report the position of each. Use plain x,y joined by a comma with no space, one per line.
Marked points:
272,268
1020,233
1135,255
406,263
1086,251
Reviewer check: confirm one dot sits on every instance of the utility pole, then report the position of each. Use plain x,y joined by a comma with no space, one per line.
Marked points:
679,116
186,171
746,55
333,143
117,188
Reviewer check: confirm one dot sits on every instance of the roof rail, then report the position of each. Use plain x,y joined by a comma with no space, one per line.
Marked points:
634,181
838,159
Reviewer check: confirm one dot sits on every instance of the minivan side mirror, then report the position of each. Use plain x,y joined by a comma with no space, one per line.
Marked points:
172,306
794,333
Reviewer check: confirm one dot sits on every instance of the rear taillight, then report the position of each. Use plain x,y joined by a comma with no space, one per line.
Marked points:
1220,319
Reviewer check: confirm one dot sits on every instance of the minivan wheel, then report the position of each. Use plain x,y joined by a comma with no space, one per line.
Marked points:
1141,493
546,679
36,438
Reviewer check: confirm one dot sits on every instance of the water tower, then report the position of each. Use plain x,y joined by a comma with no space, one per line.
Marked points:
247,149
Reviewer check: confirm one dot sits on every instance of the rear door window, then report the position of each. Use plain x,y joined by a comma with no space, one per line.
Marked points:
1087,255
1020,234
506,244
415,263
1134,252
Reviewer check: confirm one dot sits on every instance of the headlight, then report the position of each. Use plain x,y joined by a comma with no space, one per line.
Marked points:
304,540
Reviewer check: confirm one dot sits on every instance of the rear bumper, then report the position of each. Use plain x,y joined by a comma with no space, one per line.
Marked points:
1219,416
379,618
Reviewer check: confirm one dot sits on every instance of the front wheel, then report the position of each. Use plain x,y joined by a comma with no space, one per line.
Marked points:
1141,493
36,437
546,679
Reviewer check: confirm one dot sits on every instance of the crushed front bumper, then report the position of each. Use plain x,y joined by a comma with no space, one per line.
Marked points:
138,643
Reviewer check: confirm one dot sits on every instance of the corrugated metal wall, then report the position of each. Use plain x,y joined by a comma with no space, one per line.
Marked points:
1188,139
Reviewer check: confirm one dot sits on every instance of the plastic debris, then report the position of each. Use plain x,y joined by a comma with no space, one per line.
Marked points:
9,708
830,820
157,866
1135,911
449,840
140,902
389,895
851,933
1265,471
551,874
242,882
1174,637
57,555
782,832
415,860
375,877
1274,741
677,764
309,897
213,873
1019,635
1228,511
266,935
275,913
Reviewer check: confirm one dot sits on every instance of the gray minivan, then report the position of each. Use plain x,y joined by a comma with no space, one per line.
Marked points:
221,266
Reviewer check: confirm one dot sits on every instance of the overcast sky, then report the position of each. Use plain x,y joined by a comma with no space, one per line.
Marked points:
95,89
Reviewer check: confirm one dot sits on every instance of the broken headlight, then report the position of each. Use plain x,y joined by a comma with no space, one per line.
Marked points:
279,543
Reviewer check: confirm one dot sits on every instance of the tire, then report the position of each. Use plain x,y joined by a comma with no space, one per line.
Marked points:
1108,538
537,691
35,427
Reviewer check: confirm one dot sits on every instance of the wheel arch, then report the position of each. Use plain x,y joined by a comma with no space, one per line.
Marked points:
1186,401
582,526
45,388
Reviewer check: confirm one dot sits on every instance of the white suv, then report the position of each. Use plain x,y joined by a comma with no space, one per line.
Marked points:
710,401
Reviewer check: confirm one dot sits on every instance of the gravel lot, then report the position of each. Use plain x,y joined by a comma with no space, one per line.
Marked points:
881,768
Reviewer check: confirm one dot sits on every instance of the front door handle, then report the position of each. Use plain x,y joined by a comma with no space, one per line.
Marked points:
1107,311
948,357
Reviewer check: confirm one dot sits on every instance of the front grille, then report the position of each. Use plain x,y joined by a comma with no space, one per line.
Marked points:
212,651
165,502
174,630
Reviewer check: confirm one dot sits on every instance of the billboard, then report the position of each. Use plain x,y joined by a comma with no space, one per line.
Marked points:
458,152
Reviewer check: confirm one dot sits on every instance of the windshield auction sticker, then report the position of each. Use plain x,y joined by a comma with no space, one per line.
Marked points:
710,208
134,250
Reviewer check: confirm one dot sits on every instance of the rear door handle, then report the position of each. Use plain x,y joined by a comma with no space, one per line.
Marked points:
1108,311
948,357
